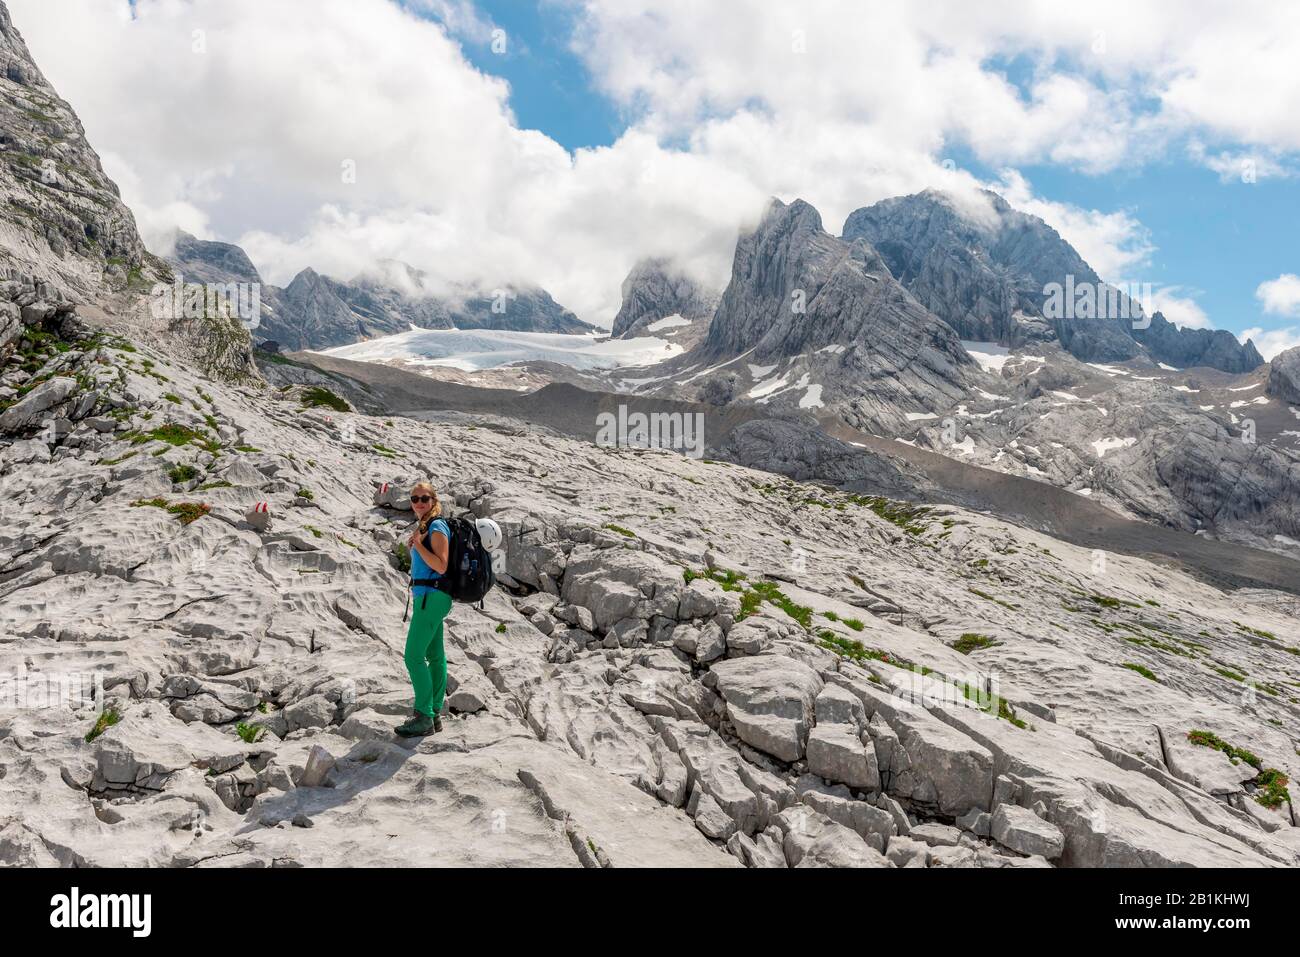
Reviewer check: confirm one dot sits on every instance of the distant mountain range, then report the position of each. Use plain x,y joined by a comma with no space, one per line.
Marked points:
929,322
319,312
976,264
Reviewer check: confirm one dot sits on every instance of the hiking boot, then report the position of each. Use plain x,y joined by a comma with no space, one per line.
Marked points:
437,723
419,726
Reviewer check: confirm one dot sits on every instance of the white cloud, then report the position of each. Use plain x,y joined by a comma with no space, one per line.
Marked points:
1270,342
1181,309
1105,80
1242,166
1280,296
246,141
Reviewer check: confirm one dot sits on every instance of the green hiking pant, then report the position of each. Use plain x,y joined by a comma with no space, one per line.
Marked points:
426,660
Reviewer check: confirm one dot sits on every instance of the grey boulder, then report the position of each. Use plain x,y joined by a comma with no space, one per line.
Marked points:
770,702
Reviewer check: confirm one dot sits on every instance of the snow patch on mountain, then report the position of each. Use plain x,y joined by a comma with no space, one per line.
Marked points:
812,398
1102,446
1109,370
990,356
668,322
768,388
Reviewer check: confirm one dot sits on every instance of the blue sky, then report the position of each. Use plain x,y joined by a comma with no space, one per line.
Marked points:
1215,237
1217,240
550,88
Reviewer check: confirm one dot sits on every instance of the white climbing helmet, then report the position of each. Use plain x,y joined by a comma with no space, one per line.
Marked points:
489,532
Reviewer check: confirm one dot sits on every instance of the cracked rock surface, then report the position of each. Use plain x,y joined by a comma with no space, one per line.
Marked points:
649,684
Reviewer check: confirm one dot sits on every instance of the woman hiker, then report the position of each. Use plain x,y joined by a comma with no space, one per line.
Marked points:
426,661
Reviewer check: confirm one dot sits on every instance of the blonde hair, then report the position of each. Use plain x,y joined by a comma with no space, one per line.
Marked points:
435,511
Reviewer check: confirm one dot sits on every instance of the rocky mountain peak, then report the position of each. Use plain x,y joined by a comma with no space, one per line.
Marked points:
207,261
62,219
656,289
795,287
1284,376
1185,348
985,268
821,323
67,239
307,278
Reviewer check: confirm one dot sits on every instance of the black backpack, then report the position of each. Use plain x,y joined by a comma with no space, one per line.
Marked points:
469,575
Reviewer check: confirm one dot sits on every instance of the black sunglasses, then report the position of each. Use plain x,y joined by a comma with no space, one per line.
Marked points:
421,498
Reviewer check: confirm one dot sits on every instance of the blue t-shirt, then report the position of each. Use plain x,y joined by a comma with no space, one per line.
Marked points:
419,567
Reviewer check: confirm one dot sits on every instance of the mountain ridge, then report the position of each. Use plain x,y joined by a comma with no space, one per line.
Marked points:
318,312
929,239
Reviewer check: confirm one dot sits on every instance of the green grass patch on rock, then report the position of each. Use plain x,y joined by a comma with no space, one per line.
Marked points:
318,397
1230,674
857,652
905,516
1106,601
1257,632
971,642
993,598
187,512
771,592
1143,670
1272,788
171,433
1208,739
107,718
752,595
1270,783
